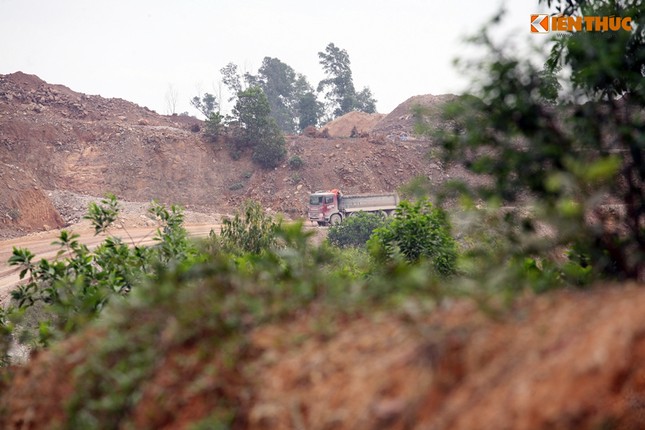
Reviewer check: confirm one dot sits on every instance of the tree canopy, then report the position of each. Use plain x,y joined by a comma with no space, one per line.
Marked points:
338,86
257,129
206,104
293,102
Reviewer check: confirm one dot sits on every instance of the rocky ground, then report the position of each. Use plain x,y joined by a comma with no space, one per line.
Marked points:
73,207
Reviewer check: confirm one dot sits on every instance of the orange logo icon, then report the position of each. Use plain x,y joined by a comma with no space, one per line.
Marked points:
539,23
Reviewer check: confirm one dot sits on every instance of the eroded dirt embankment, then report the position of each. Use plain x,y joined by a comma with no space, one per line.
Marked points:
567,360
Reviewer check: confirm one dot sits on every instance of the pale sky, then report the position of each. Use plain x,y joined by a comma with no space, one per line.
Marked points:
136,49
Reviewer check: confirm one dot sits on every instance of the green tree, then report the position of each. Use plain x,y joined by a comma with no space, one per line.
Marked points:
231,79
252,112
606,64
365,101
338,86
270,150
289,94
214,125
419,230
206,104
258,129
310,110
577,156
356,230
278,80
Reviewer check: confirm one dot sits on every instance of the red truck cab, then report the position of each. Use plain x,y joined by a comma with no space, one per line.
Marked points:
323,207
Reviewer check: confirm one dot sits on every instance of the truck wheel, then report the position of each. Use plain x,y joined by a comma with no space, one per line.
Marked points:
335,219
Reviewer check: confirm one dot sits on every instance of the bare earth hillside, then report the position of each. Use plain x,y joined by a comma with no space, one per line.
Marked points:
400,122
90,145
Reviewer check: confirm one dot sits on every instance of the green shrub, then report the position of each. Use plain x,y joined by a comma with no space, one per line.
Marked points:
214,125
64,294
418,231
295,178
249,231
295,162
355,230
236,186
235,152
270,149
14,214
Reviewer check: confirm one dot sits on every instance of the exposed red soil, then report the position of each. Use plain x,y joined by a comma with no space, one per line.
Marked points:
361,121
24,207
91,145
400,122
562,361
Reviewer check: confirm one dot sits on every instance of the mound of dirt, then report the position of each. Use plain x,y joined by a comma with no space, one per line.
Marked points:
24,206
560,361
343,125
400,122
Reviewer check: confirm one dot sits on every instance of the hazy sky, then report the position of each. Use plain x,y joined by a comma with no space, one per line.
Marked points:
135,49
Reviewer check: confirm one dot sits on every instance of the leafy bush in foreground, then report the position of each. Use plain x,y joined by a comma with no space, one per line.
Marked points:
66,293
419,230
250,230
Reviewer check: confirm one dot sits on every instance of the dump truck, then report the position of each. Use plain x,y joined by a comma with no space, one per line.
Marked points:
332,207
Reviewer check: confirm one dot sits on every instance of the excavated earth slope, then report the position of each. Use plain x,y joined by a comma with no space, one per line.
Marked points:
24,206
561,361
87,144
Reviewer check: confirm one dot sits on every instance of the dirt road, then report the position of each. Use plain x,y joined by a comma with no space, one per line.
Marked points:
41,245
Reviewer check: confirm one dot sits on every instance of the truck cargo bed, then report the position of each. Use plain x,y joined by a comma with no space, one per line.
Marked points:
369,202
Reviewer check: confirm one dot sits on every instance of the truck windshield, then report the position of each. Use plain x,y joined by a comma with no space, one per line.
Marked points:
315,200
